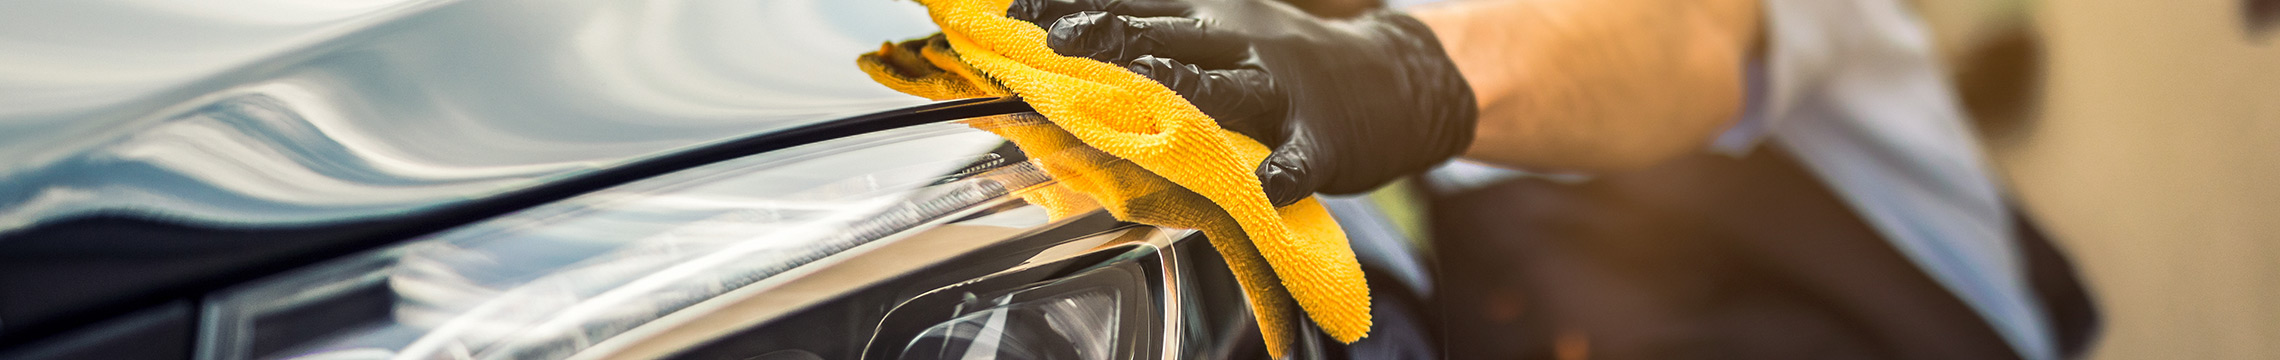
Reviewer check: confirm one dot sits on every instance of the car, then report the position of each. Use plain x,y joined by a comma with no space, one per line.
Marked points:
574,179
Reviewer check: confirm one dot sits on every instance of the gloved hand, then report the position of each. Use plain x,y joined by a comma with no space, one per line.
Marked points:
1346,104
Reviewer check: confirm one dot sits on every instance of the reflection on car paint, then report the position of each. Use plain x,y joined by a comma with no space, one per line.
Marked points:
284,112
550,281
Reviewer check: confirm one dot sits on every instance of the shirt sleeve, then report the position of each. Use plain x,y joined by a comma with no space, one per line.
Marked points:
1854,90
1799,53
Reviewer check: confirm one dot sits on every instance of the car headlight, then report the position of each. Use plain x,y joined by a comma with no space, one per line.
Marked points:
1082,317
907,243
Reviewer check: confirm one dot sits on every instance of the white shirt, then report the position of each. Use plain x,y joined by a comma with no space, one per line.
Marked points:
1855,91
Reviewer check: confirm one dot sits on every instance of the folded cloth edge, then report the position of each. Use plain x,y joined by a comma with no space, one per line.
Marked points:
1127,116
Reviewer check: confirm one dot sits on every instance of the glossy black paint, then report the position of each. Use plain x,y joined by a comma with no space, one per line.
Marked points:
151,150
154,151
56,275
157,333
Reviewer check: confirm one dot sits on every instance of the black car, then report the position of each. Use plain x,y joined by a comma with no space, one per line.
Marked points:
526,179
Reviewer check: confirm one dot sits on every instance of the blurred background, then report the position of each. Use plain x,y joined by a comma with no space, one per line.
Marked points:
2146,136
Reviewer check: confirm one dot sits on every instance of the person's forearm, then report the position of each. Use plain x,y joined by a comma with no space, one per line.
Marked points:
1597,85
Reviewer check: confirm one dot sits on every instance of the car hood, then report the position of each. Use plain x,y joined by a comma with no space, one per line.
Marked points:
280,112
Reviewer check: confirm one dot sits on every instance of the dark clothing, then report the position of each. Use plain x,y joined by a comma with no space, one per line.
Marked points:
1707,257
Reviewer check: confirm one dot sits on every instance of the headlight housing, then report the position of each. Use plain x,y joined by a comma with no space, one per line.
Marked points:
909,243
1097,314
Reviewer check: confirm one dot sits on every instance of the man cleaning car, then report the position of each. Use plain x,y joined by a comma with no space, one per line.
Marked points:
1813,105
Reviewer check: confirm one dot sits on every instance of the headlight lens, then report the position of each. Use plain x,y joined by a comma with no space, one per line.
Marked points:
549,281
1076,325
1071,326
863,235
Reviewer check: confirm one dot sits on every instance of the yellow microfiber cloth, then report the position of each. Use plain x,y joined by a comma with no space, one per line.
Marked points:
1122,141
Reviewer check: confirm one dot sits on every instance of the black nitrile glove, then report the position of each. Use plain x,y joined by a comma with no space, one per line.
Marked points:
1346,104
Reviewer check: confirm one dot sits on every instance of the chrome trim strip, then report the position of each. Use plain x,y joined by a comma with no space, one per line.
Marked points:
820,282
